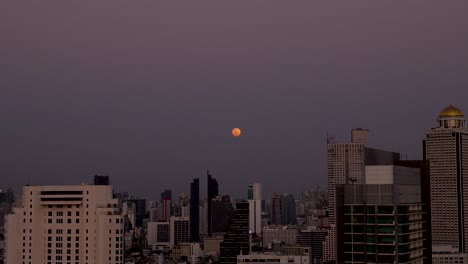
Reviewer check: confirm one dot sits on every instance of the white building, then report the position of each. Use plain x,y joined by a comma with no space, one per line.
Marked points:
329,245
255,208
65,224
284,234
158,234
446,148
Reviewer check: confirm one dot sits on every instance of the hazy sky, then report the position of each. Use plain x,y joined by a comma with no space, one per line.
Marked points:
148,91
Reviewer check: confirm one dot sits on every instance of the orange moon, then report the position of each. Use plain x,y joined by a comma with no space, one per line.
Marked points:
236,132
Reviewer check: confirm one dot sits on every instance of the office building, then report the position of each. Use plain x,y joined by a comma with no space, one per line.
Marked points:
158,234
284,234
195,210
65,224
346,163
222,211
212,193
255,208
236,239
288,214
277,209
313,239
446,148
179,230
140,211
381,221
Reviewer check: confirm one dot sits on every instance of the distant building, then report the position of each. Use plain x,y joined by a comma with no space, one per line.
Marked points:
212,193
195,211
222,211
446,148
288,214
60,224
255,208
213,244
289,255
158,234
180,230
283,234
166,195
140,211
236,239
313,239
276,209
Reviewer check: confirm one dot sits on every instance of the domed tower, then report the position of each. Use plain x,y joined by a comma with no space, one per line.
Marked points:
451,117
446,149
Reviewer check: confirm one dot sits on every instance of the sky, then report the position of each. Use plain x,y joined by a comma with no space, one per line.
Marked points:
148,91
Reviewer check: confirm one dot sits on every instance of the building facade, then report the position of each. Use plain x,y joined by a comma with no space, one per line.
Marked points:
195,211
236,239
446,148
65,224
255,208
382,219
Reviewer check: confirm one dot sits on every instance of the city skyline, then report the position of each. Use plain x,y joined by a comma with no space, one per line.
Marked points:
148,93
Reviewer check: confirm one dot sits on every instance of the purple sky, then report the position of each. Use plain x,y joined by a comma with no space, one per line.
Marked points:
148,91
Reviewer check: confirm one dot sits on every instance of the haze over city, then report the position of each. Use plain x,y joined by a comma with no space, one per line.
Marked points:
148,91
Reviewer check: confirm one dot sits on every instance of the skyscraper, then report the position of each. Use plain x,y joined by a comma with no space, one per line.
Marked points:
195,211
222,211
276,209
65,224
236,240
212,192
288,214
346,165
381,221
166,195
179,230
255,208
446,148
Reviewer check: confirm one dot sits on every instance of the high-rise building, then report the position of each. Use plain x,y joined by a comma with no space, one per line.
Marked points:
446,148
140,211
212,192
65,224
255,208
276,209
180,230
166,195
288,214
236,239
381,221
222,211
346,163
195,211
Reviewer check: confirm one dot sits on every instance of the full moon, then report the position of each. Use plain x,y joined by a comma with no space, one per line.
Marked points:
236,132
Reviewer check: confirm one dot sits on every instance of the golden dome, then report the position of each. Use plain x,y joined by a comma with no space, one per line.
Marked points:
451,111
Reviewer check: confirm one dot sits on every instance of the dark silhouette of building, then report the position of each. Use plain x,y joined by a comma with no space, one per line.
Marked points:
166,195
288,214
195,211
212,192
101,180
140,211
222,209
236,239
